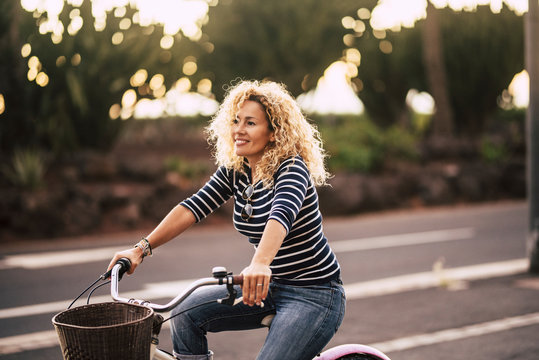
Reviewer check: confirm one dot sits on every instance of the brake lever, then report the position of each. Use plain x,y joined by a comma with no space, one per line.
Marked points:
231,298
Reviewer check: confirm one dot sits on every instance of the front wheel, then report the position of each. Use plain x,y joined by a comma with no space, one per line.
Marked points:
352,352
358,357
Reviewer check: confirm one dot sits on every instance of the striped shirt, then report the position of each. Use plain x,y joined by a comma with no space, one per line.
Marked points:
304,257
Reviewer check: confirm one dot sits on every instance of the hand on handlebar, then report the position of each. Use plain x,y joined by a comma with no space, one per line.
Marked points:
256,279
134,255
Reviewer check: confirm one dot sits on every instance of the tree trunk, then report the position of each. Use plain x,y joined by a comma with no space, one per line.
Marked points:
532,121
443,123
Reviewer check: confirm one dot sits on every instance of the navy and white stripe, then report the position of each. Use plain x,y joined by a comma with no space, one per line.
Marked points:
305,257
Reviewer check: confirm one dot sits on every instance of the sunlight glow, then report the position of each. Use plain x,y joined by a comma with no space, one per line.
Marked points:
519,89
176,103
394,14
333,94
186,16
420,102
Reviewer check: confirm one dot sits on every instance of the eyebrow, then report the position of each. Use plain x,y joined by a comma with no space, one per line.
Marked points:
247,117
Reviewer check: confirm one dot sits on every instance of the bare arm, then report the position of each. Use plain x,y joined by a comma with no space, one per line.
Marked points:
176,222
258,272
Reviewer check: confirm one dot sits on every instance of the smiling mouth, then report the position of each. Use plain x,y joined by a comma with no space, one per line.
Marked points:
241,142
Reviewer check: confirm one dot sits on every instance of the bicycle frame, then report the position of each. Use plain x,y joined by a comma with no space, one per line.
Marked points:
222,277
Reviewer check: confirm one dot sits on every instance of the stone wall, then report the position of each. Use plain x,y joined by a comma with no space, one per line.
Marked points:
108,195
129,187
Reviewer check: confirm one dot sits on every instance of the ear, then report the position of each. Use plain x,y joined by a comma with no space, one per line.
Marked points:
272,136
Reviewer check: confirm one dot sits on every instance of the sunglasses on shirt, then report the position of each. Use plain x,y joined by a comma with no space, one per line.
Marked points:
247,210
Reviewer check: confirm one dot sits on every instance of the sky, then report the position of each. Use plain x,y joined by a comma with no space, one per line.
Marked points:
333,94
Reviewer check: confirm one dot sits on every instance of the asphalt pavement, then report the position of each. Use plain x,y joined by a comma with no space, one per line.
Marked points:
443,283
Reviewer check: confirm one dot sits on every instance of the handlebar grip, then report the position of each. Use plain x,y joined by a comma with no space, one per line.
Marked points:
125,264
237,279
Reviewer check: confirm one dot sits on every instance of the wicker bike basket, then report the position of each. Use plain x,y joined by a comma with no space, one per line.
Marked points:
105,331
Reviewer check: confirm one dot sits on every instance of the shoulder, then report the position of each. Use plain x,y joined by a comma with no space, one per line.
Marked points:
293,163
293,167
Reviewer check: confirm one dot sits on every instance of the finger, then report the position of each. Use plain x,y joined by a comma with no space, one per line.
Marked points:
113,261
261,290
245,289
252,291
265,290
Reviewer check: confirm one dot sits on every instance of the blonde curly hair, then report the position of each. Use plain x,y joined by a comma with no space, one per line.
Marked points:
294,135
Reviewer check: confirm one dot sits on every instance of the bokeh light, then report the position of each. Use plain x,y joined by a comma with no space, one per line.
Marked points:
2,104
519,89
394,14
139,78
334,93
420,102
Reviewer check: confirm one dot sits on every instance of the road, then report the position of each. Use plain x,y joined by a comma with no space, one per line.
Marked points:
445,283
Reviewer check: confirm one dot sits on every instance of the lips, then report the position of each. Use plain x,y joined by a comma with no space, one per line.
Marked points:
240,142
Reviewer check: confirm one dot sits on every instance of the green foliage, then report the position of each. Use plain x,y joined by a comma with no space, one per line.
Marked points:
287,41
481,55
27,169
493,151
384,78
356,144
87,75
191,170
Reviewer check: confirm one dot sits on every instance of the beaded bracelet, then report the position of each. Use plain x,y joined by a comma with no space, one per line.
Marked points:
145,246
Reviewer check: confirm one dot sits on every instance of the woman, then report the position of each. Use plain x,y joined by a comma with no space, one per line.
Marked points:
270,160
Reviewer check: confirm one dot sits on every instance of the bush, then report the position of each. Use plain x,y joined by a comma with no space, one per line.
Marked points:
188,169
27,169
356,144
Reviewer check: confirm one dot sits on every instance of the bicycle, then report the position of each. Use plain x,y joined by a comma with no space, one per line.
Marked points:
129,328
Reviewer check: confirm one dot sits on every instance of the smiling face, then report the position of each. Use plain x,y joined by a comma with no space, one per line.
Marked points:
251,131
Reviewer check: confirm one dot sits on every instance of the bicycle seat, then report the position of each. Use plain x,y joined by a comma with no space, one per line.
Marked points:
266,321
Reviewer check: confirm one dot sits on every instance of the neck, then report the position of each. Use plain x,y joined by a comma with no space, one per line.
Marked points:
253,164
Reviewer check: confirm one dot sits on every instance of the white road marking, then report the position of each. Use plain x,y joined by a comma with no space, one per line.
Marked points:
381,242
465,332
72,257
358,290
57,258
27,342
149,292
45,339
431,279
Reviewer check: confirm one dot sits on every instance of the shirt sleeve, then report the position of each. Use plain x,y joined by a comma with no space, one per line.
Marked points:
291,185
212,195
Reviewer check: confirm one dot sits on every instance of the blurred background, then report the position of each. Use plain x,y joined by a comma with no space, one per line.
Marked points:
103,103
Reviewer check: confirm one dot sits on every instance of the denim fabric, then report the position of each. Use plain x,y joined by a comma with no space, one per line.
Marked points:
306,318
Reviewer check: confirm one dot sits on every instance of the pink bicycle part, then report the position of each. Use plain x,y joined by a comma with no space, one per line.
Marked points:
346,349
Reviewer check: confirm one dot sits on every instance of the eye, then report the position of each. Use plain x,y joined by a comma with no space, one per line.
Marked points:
235,121
251,123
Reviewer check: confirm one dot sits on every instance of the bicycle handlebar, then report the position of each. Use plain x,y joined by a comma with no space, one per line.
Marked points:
220,277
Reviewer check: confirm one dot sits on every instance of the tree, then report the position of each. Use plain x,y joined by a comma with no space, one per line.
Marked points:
436,74
16,122
390,66
85,74
473,51
288,41
482,52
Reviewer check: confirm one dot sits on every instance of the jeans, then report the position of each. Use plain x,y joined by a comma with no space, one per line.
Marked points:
306,318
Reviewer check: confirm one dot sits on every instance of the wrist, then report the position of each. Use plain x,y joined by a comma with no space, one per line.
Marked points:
258,263
144,247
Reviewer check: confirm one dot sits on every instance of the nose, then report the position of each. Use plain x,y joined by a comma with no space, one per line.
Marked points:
239,128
